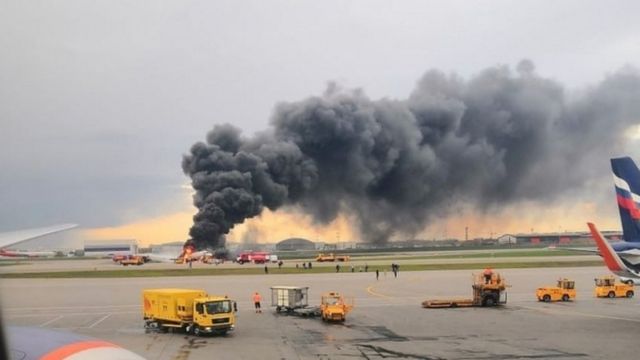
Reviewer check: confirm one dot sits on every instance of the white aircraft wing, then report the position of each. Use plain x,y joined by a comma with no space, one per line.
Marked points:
15,237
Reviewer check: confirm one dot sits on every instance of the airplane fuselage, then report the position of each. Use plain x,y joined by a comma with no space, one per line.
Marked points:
25,254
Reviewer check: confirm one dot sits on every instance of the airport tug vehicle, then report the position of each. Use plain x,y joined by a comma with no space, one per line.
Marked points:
294,300
132,260
606,286
334,307
488,290
563,291
193,311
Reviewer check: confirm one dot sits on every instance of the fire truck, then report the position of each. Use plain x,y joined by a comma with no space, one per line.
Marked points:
256,257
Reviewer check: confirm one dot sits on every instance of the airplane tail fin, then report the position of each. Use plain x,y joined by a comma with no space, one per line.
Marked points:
611,259
626,177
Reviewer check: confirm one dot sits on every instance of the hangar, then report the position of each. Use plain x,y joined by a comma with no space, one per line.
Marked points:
295,244
110,248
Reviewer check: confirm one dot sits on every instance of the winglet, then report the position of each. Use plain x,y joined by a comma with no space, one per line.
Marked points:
611,259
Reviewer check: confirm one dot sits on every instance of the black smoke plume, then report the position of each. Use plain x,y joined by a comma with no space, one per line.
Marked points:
500,137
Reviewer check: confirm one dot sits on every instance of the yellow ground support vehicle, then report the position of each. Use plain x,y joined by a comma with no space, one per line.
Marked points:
334,307
606,286
193,311
132,260
331,257
564,290
489,290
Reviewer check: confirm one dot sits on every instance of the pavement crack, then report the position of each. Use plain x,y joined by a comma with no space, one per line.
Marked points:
388,354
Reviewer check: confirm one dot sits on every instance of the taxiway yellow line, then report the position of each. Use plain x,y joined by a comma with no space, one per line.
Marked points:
371,291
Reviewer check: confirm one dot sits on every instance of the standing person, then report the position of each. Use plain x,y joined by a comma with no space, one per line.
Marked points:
309,266
256,302
366,267
304,265
488,273
337,267
377,274
353,269
266,269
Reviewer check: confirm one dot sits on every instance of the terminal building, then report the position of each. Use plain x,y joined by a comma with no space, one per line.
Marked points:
110,248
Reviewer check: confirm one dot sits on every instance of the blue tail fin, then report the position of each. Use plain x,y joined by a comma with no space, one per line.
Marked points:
627,180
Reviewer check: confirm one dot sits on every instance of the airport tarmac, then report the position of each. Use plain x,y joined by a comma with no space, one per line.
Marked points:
50,265
387,322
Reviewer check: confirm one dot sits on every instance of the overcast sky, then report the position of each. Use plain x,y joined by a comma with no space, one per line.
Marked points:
100,99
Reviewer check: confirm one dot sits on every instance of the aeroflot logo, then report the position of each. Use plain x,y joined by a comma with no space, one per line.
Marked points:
626,198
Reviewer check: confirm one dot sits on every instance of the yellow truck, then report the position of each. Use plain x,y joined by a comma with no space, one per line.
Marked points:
606,286
334,307
132,260
193,311
331,257
564,290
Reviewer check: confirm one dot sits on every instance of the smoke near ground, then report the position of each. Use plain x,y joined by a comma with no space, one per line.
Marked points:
500,137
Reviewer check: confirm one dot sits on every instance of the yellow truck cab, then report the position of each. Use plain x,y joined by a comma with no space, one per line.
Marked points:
606,286
565,291
132,260
334,307
193,311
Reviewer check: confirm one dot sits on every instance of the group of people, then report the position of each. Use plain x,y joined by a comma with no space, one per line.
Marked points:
280,263
305,266
395,268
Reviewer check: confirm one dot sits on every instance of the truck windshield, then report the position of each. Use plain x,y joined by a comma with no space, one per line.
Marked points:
216,307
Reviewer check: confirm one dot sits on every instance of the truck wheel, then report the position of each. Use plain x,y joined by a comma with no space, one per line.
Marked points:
629,282
629,294
489,301
611,294
278,309
565,297
196,330
546,298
